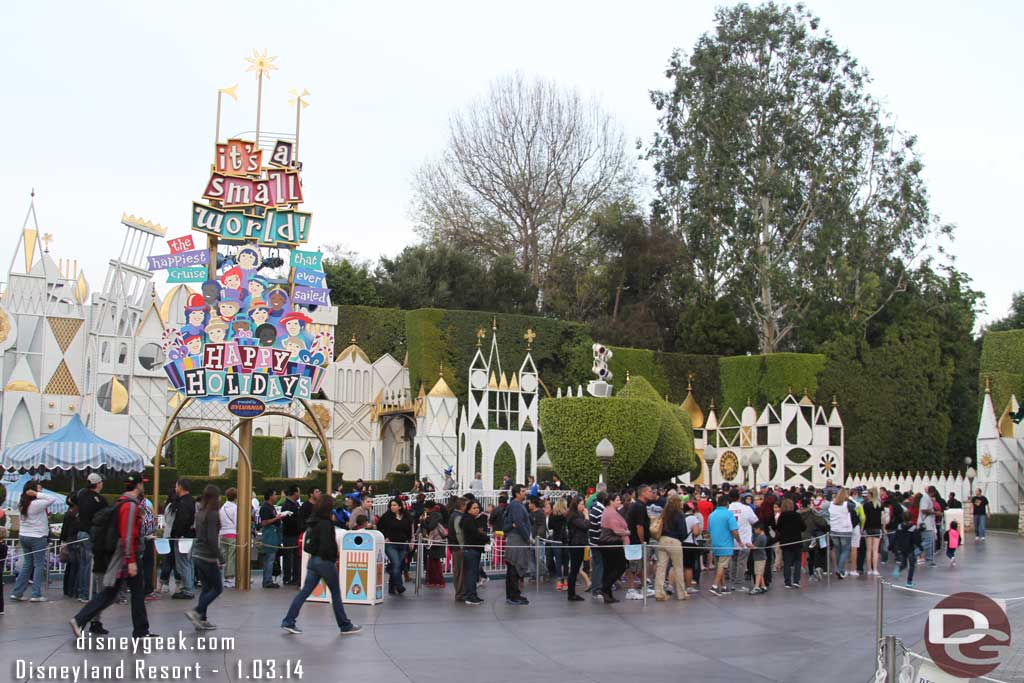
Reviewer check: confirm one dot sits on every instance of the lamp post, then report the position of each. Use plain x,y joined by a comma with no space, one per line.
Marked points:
755,462
605,452
971,473
710,453
744,464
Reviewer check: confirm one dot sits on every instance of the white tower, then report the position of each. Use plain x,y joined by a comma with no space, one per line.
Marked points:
1000,456
437,437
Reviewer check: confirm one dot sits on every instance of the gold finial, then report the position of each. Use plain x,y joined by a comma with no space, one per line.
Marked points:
834,402
494,323
748,401
789,390
440,369
627,376
353,339
47,238
988,384
261,63
805,391
529,337
480,334
231,92
712,404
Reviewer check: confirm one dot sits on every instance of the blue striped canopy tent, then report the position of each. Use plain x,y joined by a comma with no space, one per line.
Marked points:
15,488
72,447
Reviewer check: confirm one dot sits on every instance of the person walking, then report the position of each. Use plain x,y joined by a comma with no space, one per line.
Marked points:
184,515
396,525
228,514
33,535
670,551
979,510
926,522
841,526
614,537
291,554
121,568
518,538
321,544
790,527
89,502
206,557
577,536
474,540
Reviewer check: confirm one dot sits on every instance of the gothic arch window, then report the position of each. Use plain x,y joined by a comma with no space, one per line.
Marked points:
478,458
529,459
122,354
105,352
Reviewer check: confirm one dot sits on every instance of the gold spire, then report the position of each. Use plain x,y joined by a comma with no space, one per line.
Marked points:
480,334
834,402
988,384
441,389
806,400
494,323
353,339
627,376
503,384
493,383
513,384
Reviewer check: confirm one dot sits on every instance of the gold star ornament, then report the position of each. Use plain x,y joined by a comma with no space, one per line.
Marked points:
261,63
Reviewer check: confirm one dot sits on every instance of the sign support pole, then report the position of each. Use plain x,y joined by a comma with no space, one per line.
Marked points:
243,531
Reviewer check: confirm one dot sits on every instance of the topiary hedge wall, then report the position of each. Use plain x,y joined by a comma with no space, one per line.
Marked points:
574,426
192,454
766,379
377,330
504,461
1002,362
266,455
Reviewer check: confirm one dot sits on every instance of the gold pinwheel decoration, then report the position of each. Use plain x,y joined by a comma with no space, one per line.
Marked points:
231,92
296,95
261,63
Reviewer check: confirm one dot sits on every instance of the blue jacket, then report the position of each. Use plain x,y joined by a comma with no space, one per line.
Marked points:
517,520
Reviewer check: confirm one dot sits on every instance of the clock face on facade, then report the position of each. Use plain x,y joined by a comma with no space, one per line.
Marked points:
729,465
528,382
478,380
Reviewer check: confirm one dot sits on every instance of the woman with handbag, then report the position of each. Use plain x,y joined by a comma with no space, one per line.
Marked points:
613,539
672,533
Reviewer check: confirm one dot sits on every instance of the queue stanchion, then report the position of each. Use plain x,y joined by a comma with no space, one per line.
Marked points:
828,560
643,561
536,573
419,565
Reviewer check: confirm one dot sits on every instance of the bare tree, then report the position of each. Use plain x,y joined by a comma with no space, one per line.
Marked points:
523,169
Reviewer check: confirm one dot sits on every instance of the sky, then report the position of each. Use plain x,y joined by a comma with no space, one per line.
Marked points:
109,107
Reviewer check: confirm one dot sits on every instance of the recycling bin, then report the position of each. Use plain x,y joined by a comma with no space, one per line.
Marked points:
360,568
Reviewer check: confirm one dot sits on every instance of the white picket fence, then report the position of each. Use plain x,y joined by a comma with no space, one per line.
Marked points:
944,482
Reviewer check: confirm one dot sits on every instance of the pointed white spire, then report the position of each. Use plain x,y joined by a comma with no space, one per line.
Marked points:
988,428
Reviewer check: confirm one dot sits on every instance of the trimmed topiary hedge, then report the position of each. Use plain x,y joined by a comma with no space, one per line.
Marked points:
574,426
192,454
504,461
767,379
666,459
377,330
1002,362
266,454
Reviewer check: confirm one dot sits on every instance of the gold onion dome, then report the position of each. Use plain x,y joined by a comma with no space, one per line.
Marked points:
690,405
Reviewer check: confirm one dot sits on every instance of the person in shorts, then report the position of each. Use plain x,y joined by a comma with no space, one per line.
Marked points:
724,530
760,556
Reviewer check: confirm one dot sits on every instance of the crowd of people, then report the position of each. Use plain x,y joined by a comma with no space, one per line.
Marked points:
594,544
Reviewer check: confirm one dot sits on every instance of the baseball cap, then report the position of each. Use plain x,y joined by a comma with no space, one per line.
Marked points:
133,480
94,478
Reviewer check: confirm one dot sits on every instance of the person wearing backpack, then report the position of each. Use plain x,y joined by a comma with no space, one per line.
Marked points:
321,545
117,552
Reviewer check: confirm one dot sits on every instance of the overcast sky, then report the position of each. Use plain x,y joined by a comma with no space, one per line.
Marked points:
109,107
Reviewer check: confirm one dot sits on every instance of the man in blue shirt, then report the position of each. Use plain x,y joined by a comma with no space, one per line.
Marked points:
724,529
517,546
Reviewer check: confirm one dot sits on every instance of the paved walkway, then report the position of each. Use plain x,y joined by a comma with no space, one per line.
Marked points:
818,634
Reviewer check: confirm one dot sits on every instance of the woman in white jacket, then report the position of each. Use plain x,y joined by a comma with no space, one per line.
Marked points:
841,530
33,535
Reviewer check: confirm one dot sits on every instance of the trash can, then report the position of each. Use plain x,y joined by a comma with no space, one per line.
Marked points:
360,568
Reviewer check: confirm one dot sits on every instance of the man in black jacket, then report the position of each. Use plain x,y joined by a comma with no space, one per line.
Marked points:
184,511
291,527
89,502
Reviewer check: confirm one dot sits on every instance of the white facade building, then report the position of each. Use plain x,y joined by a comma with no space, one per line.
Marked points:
1000,456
